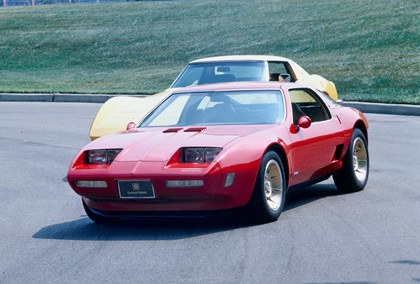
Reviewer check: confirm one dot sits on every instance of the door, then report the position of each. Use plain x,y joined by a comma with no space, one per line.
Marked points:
314,150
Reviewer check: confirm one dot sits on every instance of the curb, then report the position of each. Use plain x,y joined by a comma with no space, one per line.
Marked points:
62,98
379,108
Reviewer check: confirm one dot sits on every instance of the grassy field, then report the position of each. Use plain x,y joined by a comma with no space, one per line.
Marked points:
370,49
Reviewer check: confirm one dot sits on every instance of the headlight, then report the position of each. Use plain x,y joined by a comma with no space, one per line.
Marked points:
102,157
199,155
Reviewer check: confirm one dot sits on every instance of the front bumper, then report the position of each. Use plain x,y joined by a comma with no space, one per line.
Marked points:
212,195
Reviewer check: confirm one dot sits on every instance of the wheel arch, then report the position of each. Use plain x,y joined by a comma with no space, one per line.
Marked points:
283,157
362,126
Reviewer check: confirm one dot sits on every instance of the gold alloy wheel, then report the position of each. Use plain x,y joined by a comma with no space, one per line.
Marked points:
360,163
273,185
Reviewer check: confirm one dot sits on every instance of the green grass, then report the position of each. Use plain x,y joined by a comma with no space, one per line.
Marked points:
370,49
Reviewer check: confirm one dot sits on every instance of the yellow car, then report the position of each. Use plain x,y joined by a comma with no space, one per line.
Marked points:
117,112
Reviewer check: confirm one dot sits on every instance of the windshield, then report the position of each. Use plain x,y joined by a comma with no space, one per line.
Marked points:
218,108
215,72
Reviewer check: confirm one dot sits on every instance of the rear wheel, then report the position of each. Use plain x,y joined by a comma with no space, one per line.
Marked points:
354,173
96,217
267,200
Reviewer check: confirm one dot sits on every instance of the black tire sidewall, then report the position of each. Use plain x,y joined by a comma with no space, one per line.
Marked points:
260,207
345,178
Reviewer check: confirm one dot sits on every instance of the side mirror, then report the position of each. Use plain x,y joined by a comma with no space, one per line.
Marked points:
285,77
304,121
131,125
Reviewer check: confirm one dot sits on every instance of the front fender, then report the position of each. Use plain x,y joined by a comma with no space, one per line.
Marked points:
117,112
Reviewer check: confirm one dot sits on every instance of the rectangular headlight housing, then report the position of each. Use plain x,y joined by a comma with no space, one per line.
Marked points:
199,154
101,156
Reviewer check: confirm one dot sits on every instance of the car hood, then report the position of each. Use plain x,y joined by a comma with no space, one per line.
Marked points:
159,144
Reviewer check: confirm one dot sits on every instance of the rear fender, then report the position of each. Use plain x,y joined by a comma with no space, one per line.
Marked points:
321,84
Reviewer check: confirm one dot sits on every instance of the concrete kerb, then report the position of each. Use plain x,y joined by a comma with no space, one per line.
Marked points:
397,109
81,98
26,97
68,98
380,108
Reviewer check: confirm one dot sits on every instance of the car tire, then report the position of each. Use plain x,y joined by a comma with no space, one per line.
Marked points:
267,200
97,218
354,173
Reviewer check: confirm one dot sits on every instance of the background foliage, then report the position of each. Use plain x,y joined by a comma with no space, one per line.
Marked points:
370,49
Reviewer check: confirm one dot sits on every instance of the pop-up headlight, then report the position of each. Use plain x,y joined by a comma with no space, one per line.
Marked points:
102,157
199,155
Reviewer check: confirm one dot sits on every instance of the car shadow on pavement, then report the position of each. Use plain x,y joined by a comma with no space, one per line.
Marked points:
302,196
173,228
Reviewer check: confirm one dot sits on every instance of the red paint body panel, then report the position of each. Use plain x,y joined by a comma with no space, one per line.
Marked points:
152,154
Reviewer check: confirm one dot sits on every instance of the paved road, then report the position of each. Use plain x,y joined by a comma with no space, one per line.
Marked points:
322,237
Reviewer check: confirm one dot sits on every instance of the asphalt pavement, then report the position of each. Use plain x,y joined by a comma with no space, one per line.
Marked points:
322,236
379,108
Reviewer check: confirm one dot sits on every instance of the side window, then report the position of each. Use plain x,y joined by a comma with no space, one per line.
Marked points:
305,102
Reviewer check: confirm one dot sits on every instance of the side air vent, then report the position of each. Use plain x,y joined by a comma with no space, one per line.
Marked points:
338,151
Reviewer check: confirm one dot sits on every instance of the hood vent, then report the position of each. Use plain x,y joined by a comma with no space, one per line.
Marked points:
195,129
171,130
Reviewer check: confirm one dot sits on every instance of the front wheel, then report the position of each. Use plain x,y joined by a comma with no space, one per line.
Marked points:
269,194
354,173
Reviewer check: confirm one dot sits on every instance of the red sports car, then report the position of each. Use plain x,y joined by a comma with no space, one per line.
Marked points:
223,146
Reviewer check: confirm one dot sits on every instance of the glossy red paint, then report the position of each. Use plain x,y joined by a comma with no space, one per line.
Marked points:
312,150
130,125
304,122
158,165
